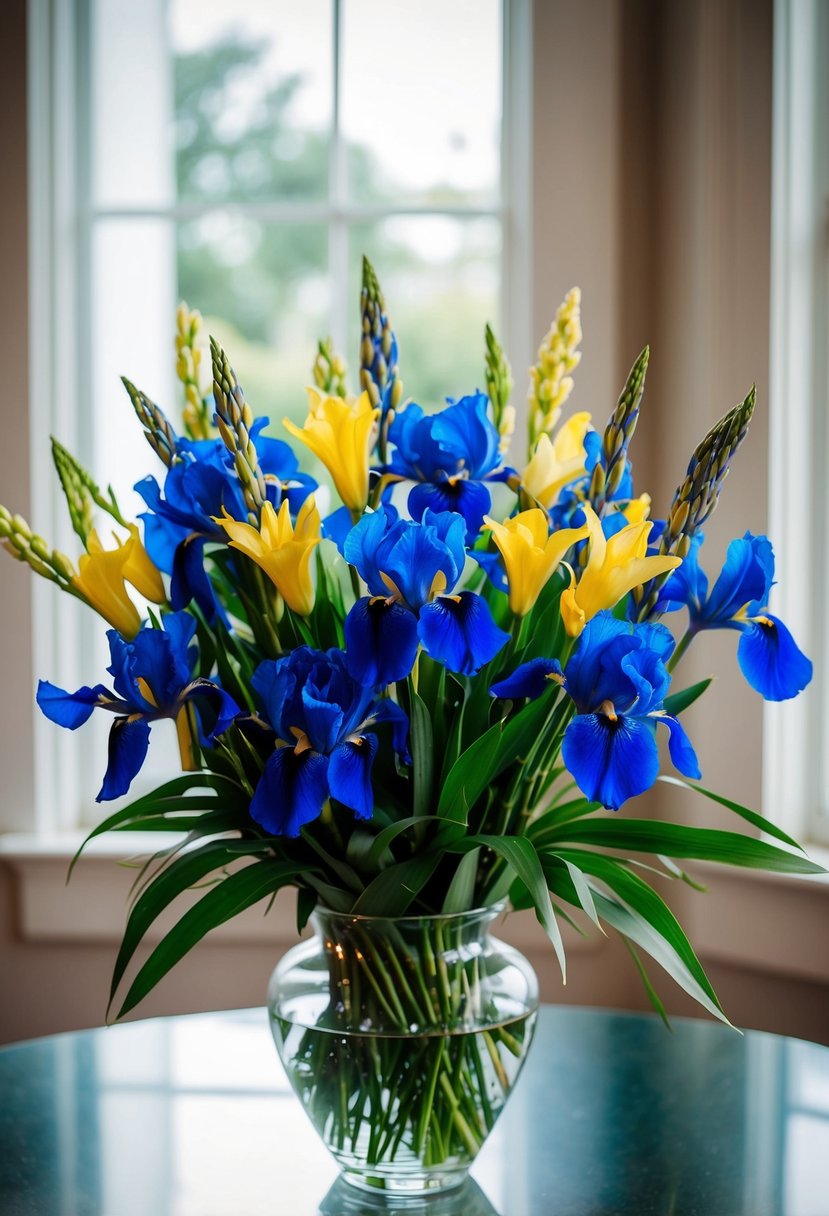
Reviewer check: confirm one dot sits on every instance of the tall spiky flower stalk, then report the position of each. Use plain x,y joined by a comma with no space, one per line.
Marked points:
329,369
159,434
81,492
234,418
498,375
550,380
697,496
197,413
379,375
18,539
609,470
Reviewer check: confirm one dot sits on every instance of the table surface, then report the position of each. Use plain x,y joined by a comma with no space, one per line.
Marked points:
613,1114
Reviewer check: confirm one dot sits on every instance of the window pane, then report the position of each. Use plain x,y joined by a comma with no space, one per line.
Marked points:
253,90
440,278
421,100
264,292
131,104
132,334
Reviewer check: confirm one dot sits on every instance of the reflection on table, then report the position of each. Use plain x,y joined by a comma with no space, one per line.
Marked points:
192,1116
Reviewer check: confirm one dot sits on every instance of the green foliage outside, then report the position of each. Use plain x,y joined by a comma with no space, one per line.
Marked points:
263,287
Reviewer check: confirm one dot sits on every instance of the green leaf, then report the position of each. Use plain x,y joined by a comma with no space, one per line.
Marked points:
639,931
168,799
653,995
752,817
646,903
392,891
306,902
520,855
555,816
178,876
495,750
582,890
342,869
676,840
384,839
227,899
461,892
420,729
335,899
678,701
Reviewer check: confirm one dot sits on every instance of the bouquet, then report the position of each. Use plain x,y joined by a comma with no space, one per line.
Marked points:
442,693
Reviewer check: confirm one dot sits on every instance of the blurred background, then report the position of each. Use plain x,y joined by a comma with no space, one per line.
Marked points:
668,156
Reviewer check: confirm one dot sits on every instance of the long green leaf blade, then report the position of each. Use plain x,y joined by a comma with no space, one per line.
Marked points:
643,901
224,901
677,840
500,746
519,853
678,701
392,891
753,817
461,891
639,931
181,874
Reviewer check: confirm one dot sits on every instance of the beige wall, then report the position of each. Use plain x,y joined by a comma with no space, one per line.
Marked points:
651,191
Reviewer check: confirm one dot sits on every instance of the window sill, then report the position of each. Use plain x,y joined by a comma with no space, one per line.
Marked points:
92,907
762,922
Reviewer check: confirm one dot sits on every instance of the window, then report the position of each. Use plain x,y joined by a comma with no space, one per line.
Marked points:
796,758
244,157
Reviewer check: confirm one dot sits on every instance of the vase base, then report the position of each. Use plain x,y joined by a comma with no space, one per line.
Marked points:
407,1186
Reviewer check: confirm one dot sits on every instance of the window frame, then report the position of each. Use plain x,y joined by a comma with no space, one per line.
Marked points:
795,759
61,222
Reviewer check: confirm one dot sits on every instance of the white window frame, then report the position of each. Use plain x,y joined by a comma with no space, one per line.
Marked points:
796,743
61,220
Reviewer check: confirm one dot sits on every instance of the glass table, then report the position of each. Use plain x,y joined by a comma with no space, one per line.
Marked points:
192,1116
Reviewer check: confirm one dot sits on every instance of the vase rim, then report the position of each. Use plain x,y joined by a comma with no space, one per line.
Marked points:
482,910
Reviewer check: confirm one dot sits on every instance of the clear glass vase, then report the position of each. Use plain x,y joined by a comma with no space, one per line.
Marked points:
403,1038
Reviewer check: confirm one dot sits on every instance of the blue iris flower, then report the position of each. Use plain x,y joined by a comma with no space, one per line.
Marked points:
201,482
567,511
152,679
768,655
618,680
450,455
321,716
411,570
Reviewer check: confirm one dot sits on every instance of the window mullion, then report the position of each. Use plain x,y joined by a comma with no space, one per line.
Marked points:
337,223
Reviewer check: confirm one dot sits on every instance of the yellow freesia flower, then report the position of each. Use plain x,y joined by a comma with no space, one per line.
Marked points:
103,574
558,461
281,549
637,510
615,566
531,553
341,434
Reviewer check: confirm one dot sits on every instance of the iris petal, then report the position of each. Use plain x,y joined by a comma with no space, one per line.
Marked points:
222,709
459,632
747,575
380,642
390,711
471,499
291,791
529,680
190,582
323,719
611,761
771,660
683,756
128,742
349,774
70,709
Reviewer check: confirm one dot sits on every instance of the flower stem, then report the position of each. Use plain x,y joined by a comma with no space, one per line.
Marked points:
684,642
